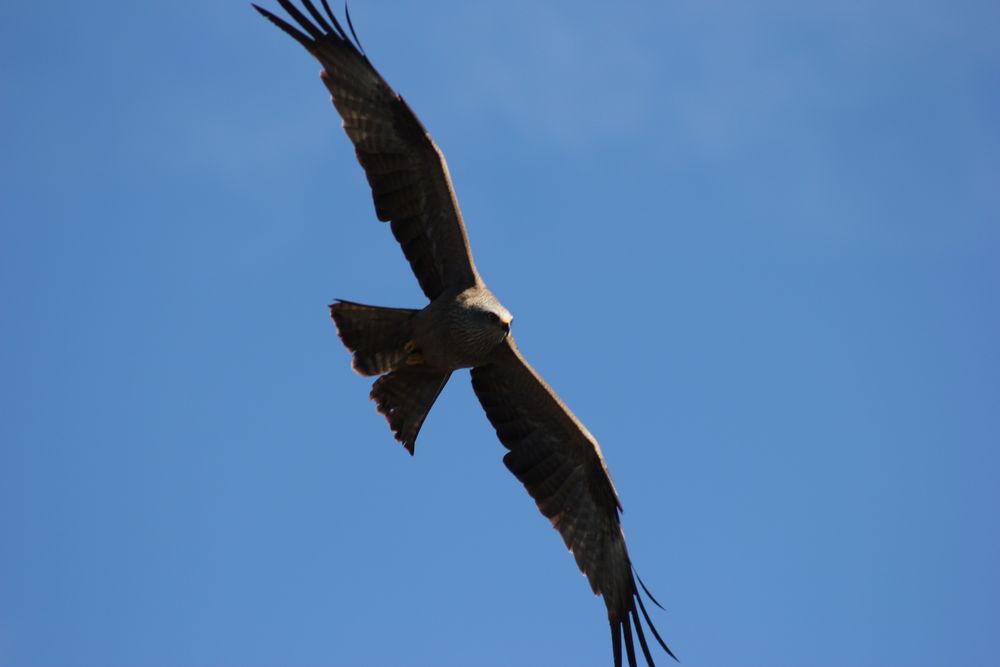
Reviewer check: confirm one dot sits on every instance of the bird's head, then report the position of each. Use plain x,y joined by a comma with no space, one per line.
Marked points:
485,318
500,318
494,315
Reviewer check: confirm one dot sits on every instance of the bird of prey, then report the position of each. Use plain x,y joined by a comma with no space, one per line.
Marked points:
414,351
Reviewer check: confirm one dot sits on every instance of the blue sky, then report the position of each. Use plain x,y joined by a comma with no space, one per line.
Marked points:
756,248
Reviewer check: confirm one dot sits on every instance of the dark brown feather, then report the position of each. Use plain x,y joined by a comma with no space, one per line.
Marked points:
560,464
404,397
375,335
407,173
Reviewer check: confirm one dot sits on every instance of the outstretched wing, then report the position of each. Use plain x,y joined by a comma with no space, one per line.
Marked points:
410,183
560,464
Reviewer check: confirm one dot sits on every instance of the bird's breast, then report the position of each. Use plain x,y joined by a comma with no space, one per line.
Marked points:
452,334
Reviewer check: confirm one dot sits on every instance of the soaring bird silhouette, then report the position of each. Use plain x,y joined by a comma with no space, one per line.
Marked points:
415,351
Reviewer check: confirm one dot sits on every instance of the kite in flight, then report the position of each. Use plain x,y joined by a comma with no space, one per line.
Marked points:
414,352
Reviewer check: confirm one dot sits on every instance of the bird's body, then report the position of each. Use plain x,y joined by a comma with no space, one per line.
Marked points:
460,329
413,352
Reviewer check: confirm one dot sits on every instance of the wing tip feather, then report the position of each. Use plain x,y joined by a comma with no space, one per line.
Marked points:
626,626
350,24
625,618
649,622
322,29
616,641
286,28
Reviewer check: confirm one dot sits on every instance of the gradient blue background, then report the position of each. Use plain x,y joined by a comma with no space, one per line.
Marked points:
756,249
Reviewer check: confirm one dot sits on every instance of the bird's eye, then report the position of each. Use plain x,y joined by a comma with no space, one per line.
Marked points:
493,316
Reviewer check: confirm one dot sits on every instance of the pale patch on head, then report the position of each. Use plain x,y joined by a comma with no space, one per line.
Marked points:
503,315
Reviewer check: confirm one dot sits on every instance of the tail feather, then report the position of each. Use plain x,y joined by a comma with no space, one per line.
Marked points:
405,397
374,334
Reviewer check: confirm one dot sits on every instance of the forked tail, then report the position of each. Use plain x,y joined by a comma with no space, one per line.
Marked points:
378,337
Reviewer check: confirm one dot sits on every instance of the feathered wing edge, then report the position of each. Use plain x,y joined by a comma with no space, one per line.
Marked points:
622,625
308,40
560,465
408,175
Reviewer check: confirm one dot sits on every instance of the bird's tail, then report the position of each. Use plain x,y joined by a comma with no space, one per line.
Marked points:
378,337
405,397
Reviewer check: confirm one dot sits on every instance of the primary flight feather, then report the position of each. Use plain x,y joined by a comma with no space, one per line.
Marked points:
415,351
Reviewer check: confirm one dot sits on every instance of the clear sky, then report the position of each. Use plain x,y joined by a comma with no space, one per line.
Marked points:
754,246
